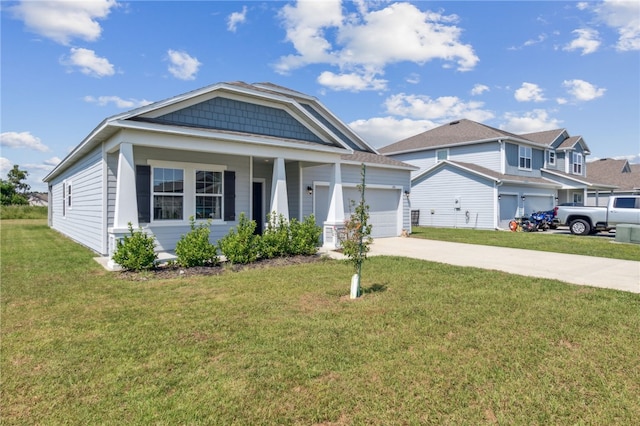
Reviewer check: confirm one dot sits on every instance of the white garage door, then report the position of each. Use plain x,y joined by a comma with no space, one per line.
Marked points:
508,209
536,203
384,213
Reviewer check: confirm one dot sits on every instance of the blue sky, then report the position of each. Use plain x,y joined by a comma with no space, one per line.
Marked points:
389,69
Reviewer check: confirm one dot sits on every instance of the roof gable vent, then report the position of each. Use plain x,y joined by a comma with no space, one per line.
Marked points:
454,122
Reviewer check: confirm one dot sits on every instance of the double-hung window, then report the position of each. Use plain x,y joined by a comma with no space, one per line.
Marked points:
181,190
168,193
551,158
524,161
577,163
208,195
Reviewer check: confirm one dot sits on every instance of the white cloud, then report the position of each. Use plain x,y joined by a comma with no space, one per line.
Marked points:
444,108
382,131
117,101
5,166
366,41
479,89
352,81
236,18
413,78
183,66
63,21
529,92
22,140
582,90
532,121
53,161
88,63
583,5
587,40
623,16
633,159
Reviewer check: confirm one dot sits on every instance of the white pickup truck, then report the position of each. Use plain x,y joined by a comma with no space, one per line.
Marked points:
583,220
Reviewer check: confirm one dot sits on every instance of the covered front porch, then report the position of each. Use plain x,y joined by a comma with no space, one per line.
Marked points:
140,193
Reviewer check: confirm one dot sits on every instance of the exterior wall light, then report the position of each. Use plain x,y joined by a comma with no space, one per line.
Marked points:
309,190
524,197
407,193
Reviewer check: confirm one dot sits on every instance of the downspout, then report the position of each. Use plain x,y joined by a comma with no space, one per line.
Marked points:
496,194
502,157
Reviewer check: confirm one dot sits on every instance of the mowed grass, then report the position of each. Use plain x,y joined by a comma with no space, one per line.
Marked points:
427,344
599,246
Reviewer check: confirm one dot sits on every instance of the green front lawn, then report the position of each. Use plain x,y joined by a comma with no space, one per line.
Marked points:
427,344
599,246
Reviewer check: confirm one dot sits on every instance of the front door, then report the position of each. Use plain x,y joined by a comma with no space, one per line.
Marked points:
258,206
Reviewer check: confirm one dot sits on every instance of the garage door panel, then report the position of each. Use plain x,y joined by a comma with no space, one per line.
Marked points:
383,209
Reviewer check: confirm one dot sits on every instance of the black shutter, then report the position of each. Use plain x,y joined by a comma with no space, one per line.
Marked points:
229,195
143,193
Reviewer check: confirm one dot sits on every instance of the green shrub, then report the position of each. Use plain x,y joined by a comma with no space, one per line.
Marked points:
275,241
194,248
135,252
305,236
241,245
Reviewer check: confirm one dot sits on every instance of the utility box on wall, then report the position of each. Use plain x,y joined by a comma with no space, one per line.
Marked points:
457,203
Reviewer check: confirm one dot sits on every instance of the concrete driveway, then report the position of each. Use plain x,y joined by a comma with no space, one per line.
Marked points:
583,270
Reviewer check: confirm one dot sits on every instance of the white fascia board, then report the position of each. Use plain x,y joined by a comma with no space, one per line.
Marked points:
551,184
201,141
344,127
380,166
442,163
564,176
87,144
435,147
465,143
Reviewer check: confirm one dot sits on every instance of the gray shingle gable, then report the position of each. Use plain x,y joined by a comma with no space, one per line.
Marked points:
233,115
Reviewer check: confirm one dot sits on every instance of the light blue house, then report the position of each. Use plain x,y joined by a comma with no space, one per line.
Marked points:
475,176
216,152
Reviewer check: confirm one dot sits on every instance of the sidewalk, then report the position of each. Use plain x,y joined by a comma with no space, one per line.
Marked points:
583,270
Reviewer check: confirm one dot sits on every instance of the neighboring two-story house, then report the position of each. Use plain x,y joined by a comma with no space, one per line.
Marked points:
476,176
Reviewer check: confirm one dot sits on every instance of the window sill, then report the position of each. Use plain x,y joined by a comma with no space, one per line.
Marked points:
169,223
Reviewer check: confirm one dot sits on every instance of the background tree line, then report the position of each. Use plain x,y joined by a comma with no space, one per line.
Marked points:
14,190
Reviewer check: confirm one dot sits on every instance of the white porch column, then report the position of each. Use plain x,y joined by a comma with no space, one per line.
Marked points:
279,200
335,218
126,202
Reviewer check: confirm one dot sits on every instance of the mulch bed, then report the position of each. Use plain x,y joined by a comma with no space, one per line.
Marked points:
175,271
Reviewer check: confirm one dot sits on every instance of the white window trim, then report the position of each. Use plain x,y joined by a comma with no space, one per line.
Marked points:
189,190
530,157
67,197
551,154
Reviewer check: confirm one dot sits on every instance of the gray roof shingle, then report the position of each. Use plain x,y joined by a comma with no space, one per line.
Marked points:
456,132
614,172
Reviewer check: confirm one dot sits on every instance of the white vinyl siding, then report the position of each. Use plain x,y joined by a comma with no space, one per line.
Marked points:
82,220
486,155
435,194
